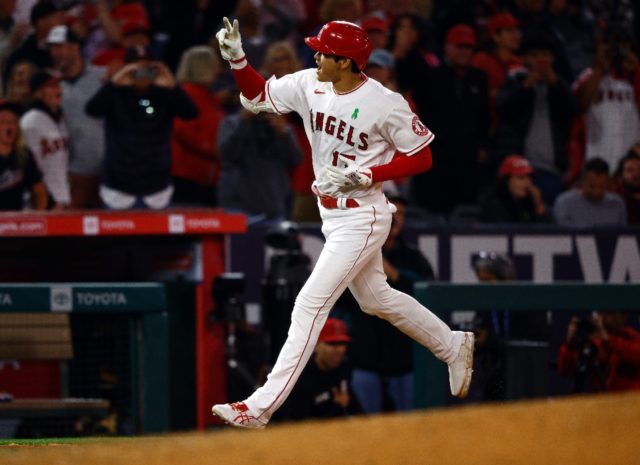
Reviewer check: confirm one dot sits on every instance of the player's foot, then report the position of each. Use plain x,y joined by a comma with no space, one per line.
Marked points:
461,368
238,415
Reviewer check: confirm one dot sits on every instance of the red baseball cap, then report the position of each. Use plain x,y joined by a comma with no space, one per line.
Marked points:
501,21
515,165
461,34
375,23
334,331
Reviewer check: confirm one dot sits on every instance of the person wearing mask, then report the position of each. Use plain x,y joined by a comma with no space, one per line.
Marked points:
591,204
514,198
139,104
46,135
80,81
19,173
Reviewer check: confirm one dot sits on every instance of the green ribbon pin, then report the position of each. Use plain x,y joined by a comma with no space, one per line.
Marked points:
354,115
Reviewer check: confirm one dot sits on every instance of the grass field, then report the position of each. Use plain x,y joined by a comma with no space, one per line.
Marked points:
60,441
588,430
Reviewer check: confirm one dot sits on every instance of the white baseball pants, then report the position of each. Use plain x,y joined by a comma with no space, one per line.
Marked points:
351,257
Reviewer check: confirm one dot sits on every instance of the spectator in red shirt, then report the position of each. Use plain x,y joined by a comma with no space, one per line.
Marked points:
605,350
196,166
501,58
125,25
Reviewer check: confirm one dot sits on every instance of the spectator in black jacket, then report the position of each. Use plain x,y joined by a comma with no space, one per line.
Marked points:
139,104
324,388
382,356
453,103
535,108
514,198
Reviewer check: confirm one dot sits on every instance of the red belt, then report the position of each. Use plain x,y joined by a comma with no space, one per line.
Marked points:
332,202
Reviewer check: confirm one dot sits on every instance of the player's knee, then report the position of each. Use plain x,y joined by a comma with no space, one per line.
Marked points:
311,305
379,304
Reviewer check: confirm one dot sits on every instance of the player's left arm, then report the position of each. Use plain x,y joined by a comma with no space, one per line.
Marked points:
403,165
412,138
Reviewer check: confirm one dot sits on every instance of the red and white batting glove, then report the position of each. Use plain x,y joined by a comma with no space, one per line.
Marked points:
230,44
352,176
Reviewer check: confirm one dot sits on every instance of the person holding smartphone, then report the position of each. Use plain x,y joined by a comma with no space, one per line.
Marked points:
139,104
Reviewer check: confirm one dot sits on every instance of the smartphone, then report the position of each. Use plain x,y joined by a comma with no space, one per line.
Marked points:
146,72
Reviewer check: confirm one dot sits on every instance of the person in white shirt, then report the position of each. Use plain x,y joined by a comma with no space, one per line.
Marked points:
45,134
80,81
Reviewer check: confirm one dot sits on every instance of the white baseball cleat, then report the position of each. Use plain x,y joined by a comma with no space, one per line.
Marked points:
238,415
461,368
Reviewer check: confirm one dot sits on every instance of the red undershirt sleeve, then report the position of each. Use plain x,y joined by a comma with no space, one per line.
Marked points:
402,166
249,81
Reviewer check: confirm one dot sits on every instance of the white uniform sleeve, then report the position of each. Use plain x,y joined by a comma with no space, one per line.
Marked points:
287,93
404,129
42,135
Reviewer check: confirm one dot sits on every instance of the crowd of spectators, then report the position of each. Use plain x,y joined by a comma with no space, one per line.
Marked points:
125,104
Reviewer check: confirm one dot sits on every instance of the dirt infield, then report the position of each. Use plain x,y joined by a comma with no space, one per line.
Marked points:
603,430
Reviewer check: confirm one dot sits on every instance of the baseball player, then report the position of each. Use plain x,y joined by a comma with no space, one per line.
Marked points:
355,127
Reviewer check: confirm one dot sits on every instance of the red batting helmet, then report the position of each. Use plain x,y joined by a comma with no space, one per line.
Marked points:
343,39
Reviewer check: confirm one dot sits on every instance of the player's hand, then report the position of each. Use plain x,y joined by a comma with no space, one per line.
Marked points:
352,176
230,41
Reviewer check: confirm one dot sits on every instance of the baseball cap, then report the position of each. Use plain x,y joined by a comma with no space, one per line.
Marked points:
375,23
515,165
135,27
42,10
461,34
383,58
334,330
61,35
41,79
133,17
501,21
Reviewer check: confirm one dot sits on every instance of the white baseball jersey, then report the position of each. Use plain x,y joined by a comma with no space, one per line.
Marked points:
367,124
47,139
612,121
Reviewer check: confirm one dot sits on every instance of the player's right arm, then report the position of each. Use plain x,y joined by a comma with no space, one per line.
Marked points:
250,82
275,95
